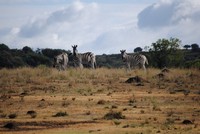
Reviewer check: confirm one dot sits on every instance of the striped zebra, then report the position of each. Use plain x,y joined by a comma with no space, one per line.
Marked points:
60,61
134,60
83,58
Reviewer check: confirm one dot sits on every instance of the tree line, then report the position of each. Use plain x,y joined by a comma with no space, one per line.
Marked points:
162,53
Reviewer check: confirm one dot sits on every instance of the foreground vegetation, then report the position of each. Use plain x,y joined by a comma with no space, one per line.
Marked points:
44,100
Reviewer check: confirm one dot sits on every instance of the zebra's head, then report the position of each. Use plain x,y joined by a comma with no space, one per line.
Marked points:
123,54
75,51
58,60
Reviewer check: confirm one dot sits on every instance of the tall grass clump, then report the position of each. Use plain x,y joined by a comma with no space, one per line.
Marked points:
60,114
61,75
113,115
44,71
5,78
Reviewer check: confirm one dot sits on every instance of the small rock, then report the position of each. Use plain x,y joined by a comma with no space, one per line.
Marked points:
187,122
42,100
31,112
10,125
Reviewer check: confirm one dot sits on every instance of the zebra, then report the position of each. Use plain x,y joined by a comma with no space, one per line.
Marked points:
60,61
134,60
80,58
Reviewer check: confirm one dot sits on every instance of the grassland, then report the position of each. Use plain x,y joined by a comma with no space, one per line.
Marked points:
43,100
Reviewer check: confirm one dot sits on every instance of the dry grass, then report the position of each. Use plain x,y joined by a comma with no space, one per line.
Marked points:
160,105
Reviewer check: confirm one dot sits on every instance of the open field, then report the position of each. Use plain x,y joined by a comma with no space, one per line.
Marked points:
45,101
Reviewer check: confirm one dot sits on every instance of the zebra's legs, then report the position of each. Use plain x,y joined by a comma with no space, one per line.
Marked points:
93,65
93,62
144,68
59,67
64,67
128,68
81,65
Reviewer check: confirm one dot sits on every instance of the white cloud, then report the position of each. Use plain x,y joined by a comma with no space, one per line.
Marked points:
74,13
78,23
31,2
169,12
101,27
15,30
127,36
173,18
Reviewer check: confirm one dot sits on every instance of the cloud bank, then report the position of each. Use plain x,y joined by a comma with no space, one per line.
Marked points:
57,29
169,13
72,14
105,28
173,18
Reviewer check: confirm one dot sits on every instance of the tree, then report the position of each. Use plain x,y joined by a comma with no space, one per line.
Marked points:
138,49
51,52
34,59
163,51
4,47
27,49
195,47
146,48
5,59
186,47
38,51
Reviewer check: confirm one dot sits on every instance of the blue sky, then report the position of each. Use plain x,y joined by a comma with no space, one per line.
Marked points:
49,2
100,26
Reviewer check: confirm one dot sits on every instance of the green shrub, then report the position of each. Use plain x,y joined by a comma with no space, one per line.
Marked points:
114,115
60,114
193,64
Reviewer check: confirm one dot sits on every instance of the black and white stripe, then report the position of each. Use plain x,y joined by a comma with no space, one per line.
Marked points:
83,58
134,60
61,61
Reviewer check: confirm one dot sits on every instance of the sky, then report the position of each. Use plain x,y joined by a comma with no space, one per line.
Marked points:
98,26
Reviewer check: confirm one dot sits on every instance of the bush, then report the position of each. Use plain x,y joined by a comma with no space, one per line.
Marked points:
60,114
2,115
101,102
10,125
12,116
193,64
114,115
32,113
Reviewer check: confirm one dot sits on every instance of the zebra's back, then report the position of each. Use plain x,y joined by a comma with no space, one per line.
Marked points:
137,60
87,59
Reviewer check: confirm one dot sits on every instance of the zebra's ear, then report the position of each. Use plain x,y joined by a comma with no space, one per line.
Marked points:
76,46
54,58
122,51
